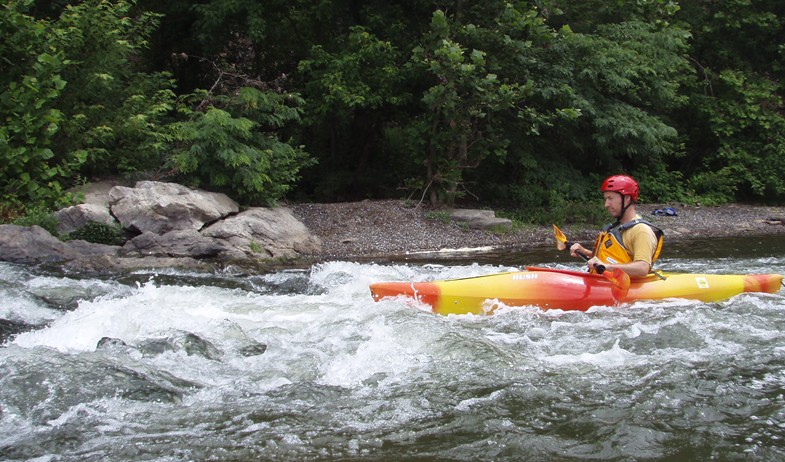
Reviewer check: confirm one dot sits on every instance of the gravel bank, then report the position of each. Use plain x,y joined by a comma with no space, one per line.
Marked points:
388,227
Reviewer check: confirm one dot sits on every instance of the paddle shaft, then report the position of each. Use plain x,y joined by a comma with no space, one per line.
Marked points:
600,268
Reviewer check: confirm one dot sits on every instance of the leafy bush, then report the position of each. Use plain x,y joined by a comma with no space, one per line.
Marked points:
114,110
235,148
748,128
39,216
99,233
29,118
73,99
567,212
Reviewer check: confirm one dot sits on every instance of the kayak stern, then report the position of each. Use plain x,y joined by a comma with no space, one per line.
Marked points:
769,283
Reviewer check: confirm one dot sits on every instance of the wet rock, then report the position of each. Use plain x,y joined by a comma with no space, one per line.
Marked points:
10,328
254,349
112,344
33,244
192,344
240,341
147,386
110,263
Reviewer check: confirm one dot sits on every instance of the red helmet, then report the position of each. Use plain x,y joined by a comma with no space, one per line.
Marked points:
622,184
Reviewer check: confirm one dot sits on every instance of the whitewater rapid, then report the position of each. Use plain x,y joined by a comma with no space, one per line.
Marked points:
301,364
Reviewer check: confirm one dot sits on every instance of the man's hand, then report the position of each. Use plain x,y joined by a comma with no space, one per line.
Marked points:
577,250
594,261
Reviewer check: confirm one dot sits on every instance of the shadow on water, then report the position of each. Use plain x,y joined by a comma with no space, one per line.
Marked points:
728,247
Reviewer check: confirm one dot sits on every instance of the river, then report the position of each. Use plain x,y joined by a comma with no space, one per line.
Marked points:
300,364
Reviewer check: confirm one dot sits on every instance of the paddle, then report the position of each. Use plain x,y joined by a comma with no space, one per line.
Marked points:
617,277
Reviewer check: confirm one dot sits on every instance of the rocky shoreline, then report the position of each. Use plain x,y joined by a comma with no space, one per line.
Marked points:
384,228
166,225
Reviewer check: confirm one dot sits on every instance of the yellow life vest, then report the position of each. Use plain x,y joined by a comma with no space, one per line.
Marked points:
609,246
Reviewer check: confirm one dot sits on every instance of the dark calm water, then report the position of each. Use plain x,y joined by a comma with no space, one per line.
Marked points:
300,365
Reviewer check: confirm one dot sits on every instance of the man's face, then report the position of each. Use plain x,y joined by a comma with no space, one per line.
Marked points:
613,203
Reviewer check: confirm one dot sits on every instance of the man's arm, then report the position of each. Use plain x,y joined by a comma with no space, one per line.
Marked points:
636,269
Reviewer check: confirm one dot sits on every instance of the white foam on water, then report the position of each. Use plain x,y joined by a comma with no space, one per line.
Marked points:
23,309
345,375
383,351
613,357
147,312
35,299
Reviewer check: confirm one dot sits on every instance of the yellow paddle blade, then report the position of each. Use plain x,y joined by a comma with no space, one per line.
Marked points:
561,239
620,281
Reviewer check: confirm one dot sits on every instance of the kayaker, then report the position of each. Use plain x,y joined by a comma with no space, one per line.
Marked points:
630,243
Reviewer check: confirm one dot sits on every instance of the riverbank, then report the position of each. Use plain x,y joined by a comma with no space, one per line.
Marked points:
381,228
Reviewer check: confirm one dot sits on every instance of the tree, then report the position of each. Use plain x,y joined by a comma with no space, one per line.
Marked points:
30,84
74,102
351,93
735,119
603,96
466,96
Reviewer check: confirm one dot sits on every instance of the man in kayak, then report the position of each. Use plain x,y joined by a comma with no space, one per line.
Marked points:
630,243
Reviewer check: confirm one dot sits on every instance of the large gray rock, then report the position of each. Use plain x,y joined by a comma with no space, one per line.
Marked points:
112,264
480,219
33,244
72,218
267,233
162,207
180,243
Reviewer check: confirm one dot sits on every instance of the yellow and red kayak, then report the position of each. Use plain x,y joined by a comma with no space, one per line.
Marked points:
568,290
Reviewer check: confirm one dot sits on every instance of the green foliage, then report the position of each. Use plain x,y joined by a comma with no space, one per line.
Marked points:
439,215
350,92
72,100
736,119
466,96
495,101
737,34
39,216
115,110
750,129
30,85
236,149
663,186
361,74
629,76
255,247
99,233
560,212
